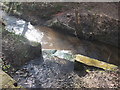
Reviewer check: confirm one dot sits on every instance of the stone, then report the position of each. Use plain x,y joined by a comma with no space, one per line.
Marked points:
17,50
6,81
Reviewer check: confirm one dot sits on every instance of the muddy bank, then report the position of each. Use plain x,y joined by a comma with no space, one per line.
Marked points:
91,26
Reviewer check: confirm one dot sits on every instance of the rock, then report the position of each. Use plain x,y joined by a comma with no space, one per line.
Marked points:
6,81
17,50
64,54
68,15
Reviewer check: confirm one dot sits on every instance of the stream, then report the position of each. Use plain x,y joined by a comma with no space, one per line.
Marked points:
55,72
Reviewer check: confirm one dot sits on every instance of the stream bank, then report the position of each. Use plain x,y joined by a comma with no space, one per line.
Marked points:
95,22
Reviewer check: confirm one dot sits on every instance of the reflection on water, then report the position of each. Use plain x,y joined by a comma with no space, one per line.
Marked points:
51,39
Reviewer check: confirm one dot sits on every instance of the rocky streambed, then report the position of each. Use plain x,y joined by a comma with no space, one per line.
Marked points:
57,72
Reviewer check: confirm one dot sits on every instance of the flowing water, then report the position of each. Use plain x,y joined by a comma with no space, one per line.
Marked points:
55,72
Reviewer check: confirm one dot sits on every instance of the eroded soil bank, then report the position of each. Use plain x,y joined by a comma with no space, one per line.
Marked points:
90,21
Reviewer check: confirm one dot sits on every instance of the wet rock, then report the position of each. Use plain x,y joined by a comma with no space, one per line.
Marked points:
18,50
64,54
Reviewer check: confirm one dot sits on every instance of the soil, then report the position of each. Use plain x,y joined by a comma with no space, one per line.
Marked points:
101,79
94,22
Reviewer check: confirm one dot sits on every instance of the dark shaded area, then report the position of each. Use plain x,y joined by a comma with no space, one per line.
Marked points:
80,68
15,84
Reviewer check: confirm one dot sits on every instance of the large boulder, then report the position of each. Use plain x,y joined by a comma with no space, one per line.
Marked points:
17,50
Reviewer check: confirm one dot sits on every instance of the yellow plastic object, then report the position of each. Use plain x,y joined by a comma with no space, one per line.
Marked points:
95,63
